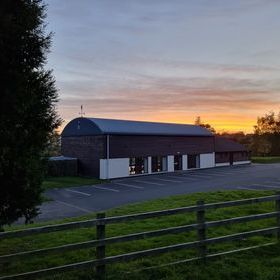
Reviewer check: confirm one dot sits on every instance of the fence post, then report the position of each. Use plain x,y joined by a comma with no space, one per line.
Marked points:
277,204
100,250
201,231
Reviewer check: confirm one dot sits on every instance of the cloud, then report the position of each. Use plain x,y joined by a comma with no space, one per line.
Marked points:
166,59
163,87
178,95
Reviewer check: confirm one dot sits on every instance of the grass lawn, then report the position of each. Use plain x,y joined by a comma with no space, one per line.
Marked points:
67,181
257,264
266,159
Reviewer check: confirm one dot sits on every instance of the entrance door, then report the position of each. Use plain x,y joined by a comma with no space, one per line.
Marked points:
193,161
178,162
159,163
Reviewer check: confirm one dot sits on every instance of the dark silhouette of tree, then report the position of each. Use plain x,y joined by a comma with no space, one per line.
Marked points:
265,141
238,136
53,148
27,107
266,138
199,122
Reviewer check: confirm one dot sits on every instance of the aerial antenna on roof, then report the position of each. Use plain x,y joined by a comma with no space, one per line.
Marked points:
82,113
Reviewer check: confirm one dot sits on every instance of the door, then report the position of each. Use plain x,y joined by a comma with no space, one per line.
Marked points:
178,162
193,161
159,163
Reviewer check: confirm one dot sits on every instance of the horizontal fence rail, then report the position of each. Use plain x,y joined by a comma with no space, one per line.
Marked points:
199,258
140,254
137,236
101,241
141,216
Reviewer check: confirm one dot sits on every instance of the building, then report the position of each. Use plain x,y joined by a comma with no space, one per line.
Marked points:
107,148
228,152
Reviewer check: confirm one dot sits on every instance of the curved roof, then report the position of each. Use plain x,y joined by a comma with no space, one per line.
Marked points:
96,126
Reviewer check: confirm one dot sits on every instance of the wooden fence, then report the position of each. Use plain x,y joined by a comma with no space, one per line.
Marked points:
101,241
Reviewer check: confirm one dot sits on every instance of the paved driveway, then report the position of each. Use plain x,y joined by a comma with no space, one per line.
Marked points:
78,201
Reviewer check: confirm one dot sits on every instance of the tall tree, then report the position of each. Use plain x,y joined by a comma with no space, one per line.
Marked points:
27,107
199,122
266,139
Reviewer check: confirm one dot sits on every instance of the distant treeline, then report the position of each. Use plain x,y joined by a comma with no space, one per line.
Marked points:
264,141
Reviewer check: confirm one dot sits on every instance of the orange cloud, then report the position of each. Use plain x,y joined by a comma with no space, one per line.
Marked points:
226,103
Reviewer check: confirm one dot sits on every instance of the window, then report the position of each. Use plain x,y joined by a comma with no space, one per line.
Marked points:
138,165
193,161
159,163
178,164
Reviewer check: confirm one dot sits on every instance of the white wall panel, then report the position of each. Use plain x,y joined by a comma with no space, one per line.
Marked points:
102,169
185,162
118,167
207,160
170,163
149,165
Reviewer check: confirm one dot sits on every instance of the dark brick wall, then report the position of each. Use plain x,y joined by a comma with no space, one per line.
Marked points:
88,150
237,156
221,157
130,146
241,156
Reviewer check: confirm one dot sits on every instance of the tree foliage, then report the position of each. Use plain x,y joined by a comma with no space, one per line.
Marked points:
199,122
239,137
265,141
53,148
266,138
27,107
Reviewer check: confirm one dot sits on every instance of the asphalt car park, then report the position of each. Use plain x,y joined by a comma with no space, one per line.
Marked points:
82,200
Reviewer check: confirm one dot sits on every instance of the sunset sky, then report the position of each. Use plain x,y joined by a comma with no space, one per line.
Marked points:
162,60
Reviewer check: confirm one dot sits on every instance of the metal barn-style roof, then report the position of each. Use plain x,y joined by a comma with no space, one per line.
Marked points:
227,145
95,126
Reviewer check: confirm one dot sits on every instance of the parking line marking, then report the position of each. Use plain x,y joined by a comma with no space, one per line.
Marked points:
147,182
266,186
216,174
207,174
106,189
181,176
271,182
83,193
272,187
187,176
74,206
194,176
220,172
237,172
119,180
166,180
250,189
128,185
170,176
199,176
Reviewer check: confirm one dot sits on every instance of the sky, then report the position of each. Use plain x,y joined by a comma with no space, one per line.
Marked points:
168,61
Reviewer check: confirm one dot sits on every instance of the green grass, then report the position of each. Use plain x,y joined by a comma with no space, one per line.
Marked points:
67,181
259,264
266,159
